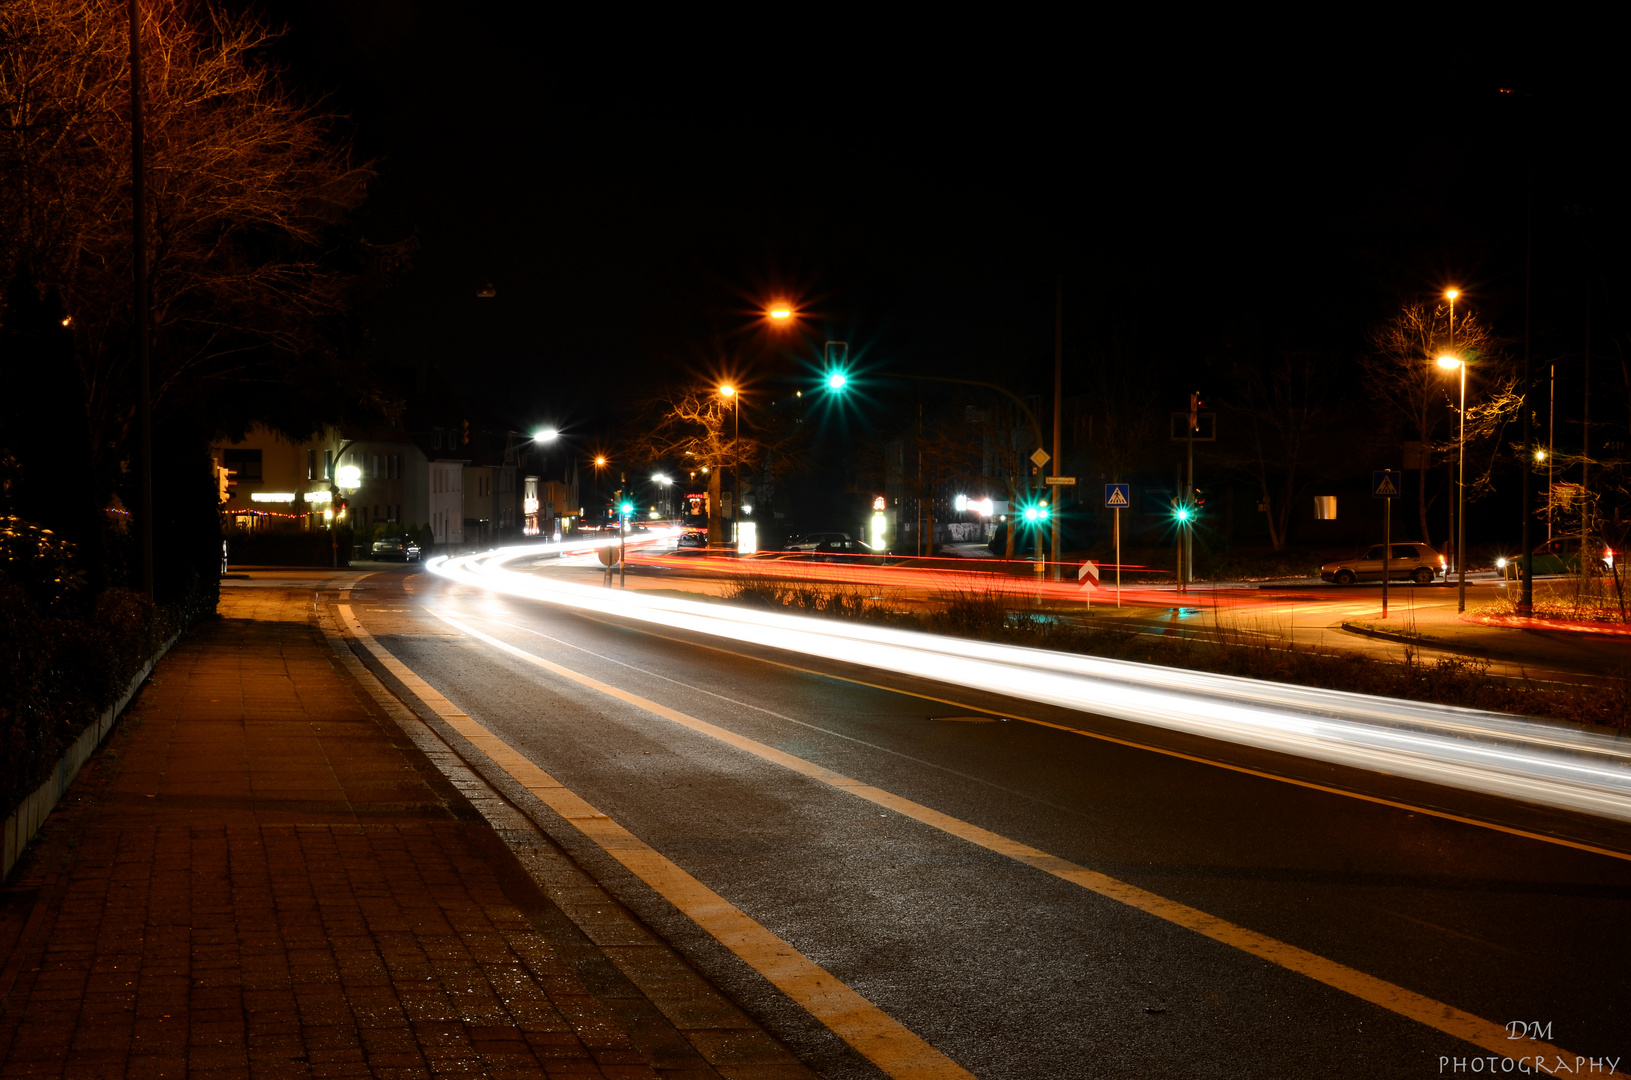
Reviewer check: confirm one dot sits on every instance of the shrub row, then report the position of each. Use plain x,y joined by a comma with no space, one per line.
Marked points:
66,654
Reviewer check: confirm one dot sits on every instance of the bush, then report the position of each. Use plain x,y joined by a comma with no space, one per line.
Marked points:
844,601
59,675
65,654
40,564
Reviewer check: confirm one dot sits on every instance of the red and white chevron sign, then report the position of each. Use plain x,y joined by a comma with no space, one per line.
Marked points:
1087,575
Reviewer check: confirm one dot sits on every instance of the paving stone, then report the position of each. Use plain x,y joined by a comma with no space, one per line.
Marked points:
259,877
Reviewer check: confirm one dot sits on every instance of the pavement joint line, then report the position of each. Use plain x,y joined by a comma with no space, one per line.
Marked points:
1386,995
888,1044
1395,804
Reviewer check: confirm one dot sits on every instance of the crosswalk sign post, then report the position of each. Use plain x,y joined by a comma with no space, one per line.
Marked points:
1384,485
1117,497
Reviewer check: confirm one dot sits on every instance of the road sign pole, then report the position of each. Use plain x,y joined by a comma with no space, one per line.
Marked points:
1117,496
1384,485
1387,548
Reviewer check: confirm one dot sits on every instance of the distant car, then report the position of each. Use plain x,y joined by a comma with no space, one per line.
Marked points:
405,548
840,550
1561,555
1411,560
813,541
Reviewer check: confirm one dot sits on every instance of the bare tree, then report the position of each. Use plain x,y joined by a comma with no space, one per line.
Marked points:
936,449
1283,405
701,431
1401,371
245,187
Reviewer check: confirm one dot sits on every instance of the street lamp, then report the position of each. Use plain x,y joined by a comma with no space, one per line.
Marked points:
728,392
668,491
1450,363
547,435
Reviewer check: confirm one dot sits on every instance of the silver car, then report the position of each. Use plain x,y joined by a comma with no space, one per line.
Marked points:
1411,560
396,547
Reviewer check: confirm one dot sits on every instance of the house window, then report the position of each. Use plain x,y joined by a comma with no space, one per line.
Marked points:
311,464
328,464
374,466
244,464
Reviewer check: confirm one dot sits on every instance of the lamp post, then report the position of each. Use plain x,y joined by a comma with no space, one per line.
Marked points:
1452,295
668,492
729,393
1460,485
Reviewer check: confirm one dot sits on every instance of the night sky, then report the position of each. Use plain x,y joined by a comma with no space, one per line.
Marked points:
634,188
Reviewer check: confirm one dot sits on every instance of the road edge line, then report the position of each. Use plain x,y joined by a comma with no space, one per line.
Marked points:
883,1040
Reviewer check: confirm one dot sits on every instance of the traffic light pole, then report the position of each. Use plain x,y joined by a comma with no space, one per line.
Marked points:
1058,384
1189,494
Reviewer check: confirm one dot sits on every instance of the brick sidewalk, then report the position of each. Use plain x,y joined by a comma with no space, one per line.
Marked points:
260,876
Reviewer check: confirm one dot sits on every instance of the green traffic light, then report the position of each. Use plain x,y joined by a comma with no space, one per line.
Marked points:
837,380
627,508
1183,513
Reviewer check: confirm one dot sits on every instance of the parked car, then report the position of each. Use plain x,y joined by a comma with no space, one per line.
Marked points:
1412,560
813,541
405,548
1561,555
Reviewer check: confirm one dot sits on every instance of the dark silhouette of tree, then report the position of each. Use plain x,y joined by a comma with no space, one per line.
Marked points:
1402,373
1283,402
246,190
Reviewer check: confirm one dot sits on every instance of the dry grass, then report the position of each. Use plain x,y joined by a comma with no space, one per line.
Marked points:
1587,598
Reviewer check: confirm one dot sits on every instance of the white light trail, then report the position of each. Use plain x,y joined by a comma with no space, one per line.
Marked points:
1496,753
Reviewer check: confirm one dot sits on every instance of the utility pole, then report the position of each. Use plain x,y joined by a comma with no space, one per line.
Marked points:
138,257
1526,594
1585,444
1058,384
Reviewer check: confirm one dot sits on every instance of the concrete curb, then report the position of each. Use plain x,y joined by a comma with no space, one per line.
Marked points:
1420,640
31,813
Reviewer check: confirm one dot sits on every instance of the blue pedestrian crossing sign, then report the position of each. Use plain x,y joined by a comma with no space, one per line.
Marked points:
1118,496
1384,484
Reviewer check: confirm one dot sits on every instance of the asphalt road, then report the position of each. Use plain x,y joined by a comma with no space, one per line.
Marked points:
1009,971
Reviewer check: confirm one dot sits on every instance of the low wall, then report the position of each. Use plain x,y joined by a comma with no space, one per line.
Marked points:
31,813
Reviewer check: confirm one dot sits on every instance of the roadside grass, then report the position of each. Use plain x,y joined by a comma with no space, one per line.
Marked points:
1577,598
989,614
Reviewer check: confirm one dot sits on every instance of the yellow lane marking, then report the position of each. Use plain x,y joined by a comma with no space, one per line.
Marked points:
886,1042
1390,996
1311,785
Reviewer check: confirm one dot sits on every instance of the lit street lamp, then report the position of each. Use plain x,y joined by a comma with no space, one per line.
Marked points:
1451,362
728,392
668,492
